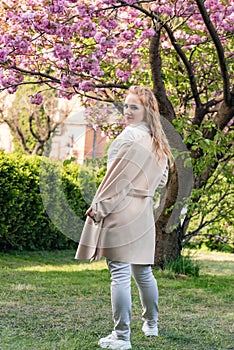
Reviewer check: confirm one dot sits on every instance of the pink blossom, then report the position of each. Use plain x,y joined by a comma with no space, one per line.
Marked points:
36,99
65,81
65,94
12,89
105,40
109,24
27,18
167,10
3,54
139,23
210,3
195,39
73,64
63,31
168,92
88,29
154,7
227,26
84,10
125,53
148,33
135,61
108,42
217,17
124,76
86,85
188,47
184,10
62,51
10,78
129,34
6,39
110,2
57,6
98,36
98,54
44,25
130,2
166,44
19,44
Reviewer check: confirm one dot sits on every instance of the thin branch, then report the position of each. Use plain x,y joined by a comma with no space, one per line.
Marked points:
219,49
93,97
219,168
53,79
27,83
117,86
187,64
37,74
37,136
220,214
219,200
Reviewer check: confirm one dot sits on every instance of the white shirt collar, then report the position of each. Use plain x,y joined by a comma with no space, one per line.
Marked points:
143,125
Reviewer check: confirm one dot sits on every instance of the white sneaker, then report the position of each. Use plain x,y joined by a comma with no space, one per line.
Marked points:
150,330
111,342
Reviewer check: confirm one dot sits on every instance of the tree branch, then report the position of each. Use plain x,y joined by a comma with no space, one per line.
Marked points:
206,223
37,74
187,65
110,85
165,105
37,136
219,49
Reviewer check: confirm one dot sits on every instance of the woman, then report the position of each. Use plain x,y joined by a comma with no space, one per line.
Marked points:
120,223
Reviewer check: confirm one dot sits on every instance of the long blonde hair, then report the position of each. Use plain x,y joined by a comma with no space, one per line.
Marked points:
152,118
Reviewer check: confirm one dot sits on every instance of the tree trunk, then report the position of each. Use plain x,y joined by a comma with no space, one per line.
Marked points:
169,227
168,245
169,232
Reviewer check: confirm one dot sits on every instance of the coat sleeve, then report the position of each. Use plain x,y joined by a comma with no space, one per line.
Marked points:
118,180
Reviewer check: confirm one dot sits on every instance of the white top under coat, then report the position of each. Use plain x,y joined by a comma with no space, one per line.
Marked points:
132,132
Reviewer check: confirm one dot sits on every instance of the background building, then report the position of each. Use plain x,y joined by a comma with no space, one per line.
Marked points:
6,140
74,137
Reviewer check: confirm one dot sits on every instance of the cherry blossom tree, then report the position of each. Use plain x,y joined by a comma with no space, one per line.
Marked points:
97,49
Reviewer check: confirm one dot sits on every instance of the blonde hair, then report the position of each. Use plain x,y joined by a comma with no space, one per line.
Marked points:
152,118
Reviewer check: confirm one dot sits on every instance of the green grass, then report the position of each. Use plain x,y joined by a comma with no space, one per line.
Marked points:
50,301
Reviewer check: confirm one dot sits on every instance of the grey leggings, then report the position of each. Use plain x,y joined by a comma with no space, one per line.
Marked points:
121,295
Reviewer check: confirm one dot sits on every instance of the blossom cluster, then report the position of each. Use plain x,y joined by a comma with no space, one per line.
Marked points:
36,99
105,117
72,44
10,80
76,37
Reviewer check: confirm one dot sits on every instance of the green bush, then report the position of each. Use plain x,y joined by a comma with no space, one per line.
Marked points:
183,265
41,203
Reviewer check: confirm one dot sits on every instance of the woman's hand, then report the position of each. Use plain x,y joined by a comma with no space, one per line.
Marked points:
88,213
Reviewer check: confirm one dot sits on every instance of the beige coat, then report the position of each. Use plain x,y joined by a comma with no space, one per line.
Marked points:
124,228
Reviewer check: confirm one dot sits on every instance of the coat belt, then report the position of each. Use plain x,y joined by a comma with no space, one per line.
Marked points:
138,192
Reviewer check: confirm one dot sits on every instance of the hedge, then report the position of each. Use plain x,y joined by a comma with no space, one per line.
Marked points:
42,204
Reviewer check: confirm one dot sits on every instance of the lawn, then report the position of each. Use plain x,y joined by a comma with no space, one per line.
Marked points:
49,301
